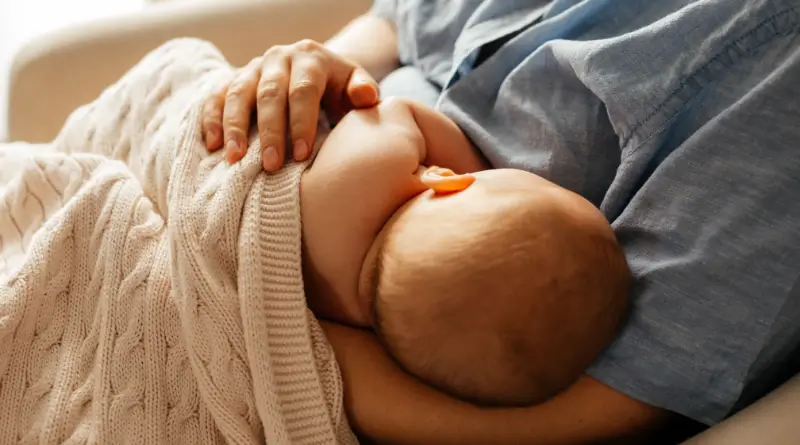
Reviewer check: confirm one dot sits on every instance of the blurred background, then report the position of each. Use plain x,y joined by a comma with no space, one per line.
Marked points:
56,55
23,20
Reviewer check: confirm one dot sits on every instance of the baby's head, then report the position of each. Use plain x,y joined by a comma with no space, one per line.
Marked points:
501,293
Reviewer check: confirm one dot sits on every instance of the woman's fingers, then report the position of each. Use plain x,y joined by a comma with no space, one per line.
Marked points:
317,72
212,118
349,87
271,107
308,80
287,82
239,102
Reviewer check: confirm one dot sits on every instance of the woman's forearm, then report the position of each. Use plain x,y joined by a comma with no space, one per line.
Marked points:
388,406
369,41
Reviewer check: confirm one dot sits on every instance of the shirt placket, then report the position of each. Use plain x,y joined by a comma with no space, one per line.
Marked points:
476,36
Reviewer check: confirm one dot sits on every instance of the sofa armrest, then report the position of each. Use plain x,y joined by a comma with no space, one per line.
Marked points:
772,420
56,73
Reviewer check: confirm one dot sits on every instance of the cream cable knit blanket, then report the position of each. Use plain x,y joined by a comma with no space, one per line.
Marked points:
158,300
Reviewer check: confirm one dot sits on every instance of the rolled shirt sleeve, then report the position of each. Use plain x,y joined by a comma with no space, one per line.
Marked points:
712,237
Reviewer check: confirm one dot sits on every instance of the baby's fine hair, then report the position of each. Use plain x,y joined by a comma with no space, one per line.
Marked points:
509,310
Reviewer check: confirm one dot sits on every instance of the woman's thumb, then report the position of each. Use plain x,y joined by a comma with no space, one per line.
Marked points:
362,89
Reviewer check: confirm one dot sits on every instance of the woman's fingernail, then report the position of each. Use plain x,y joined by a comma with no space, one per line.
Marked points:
270,157
232,146
300,150
211,135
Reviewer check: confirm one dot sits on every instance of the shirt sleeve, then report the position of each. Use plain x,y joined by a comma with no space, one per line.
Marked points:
386,9
712,236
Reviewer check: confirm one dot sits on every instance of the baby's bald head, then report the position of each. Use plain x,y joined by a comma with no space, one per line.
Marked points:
501,294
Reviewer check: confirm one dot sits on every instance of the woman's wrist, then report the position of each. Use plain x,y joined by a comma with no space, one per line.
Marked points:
370,42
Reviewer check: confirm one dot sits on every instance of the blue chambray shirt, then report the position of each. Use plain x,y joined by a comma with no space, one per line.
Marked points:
680,119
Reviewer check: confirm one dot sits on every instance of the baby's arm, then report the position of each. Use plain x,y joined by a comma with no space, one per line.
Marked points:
445,143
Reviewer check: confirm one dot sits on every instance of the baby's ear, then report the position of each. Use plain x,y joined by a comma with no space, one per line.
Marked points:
443,180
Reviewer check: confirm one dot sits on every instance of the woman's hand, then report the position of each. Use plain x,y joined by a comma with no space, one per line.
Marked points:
299,77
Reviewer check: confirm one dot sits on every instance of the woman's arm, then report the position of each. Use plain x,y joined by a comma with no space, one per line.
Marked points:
387,406
368,41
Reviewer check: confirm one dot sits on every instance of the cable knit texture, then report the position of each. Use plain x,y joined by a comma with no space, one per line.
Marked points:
149,292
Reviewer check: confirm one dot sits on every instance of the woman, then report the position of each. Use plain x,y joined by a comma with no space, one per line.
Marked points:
676,118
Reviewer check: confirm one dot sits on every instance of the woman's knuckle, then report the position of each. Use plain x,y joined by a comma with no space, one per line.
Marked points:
268,138
303,88
306,45
275,51
267,134
315,71
209,120
232,122
234,95
236,89
271,84
298,129
268,90
212,113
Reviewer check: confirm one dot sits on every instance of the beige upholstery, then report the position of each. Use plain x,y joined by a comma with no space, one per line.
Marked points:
58,72
774,420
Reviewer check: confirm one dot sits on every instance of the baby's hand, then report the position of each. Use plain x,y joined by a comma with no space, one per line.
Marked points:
296,76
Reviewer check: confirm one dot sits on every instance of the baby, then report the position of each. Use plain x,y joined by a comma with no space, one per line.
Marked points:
495,286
